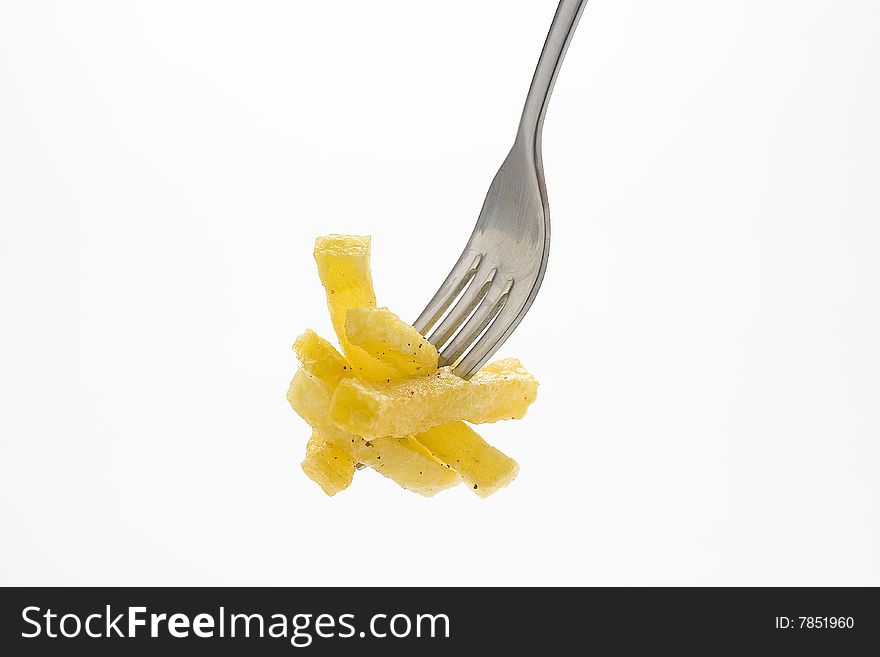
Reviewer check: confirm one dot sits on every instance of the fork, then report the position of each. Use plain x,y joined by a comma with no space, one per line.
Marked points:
497,277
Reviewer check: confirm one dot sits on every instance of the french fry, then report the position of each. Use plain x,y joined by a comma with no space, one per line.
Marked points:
327,465
389,339
344,268
484,469
501,391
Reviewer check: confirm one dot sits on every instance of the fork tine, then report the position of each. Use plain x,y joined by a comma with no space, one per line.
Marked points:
463,308
482,317
502,326
462,273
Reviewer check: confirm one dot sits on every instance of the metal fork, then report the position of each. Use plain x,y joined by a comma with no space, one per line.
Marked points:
500,271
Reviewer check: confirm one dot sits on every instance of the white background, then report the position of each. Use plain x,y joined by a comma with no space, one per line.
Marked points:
706,337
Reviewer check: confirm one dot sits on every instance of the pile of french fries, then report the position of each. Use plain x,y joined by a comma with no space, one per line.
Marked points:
384,403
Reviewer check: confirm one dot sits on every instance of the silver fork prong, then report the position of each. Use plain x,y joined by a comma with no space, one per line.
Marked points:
455,282
470,299
502,326
483,315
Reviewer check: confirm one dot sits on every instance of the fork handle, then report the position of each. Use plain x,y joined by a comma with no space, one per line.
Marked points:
561,30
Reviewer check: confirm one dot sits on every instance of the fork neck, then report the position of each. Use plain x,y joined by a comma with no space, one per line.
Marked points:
561,30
